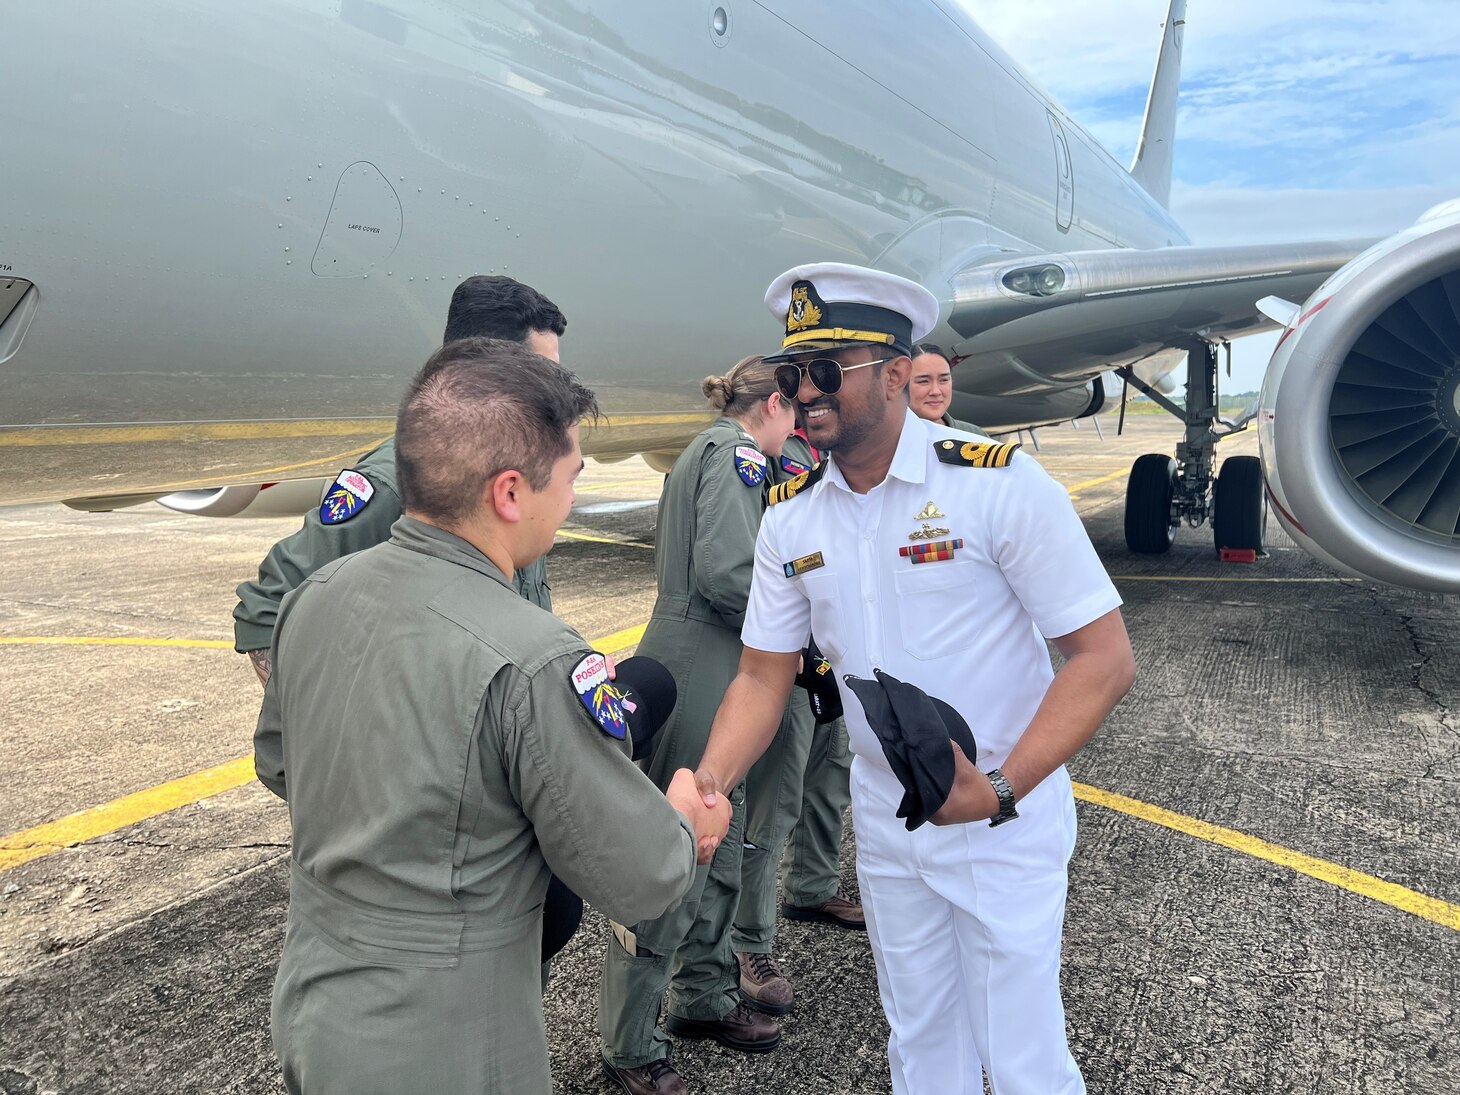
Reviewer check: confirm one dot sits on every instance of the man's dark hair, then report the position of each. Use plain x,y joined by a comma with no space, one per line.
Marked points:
486,306
929,348
477,408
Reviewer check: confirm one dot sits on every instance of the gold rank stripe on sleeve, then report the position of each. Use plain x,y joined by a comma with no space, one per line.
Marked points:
789,489
976,454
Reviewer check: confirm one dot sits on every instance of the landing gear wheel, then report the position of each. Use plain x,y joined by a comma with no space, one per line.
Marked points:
1149,527
1239,505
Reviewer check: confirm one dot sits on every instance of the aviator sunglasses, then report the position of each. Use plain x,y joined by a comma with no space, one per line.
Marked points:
824,372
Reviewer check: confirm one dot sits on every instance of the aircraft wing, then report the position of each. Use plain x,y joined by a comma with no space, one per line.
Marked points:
1031,320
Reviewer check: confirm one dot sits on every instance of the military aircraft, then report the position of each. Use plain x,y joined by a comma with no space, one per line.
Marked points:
228,234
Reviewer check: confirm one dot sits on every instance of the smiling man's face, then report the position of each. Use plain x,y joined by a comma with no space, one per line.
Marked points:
845,419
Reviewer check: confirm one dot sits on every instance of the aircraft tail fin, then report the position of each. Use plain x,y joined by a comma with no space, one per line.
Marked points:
1152,164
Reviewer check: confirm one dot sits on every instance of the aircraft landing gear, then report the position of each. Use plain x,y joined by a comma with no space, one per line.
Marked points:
1239,505
1162,493
1150,518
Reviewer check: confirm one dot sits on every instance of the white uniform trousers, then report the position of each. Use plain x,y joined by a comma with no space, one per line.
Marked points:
965,923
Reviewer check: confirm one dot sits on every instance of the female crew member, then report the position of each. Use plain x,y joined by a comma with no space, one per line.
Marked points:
930,387
704,550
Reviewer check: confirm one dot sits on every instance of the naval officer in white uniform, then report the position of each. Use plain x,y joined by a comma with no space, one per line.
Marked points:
945,560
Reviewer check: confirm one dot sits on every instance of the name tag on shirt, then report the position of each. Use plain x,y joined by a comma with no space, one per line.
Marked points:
814,561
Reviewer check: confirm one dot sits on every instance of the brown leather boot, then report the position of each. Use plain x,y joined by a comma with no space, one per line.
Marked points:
655,1078
742,1028
837,909
764,987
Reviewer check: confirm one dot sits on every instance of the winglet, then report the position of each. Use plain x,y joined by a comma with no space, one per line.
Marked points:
1151,167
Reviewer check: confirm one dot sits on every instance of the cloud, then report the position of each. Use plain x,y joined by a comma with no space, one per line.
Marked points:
1300,119
1223,214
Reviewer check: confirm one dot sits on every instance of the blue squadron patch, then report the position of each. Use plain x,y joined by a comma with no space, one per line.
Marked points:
347,496
600,696
750,463
792,467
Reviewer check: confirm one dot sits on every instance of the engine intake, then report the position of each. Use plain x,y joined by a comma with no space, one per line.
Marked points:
1394,415
1360,413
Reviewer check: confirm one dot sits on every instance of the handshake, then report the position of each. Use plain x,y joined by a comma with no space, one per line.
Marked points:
710,823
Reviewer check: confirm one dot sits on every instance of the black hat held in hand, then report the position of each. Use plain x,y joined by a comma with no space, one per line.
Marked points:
817,678
914,729
648,694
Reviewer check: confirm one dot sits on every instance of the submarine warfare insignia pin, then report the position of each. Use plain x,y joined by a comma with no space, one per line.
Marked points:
599,696
927,532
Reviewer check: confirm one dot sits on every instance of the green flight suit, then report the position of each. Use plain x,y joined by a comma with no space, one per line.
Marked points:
423,724
959,424
703,556
774,786
811,869
296,557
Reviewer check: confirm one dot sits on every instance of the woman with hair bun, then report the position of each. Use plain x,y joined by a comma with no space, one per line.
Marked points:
704,550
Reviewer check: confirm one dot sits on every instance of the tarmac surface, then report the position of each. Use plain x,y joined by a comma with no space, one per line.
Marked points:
1280,713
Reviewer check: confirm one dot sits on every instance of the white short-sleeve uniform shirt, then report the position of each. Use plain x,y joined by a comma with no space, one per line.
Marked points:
970,629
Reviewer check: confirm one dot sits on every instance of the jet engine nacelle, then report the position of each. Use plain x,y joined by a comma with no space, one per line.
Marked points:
1359,419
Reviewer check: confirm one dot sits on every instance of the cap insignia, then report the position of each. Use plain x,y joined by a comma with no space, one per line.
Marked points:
805,310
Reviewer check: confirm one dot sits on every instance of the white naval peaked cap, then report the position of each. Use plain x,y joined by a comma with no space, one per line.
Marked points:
831,304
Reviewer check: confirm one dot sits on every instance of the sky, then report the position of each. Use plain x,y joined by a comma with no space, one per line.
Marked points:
1298,119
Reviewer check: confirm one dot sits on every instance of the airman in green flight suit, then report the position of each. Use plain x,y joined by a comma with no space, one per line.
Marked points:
709,515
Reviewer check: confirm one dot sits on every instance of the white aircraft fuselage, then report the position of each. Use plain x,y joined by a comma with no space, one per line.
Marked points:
255,214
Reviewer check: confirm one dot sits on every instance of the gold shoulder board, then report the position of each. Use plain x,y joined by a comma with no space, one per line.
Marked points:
975,454
791,487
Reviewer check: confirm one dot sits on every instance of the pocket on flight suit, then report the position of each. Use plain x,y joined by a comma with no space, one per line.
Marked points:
927,597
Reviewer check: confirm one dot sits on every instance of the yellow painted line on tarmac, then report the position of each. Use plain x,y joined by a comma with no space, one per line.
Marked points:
602,540
1096,482
191,431
620,640
97,640
77,828
73,829
1366,885
640,482
259,430
619,421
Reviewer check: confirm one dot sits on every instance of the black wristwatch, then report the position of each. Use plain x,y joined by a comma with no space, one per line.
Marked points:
1006,799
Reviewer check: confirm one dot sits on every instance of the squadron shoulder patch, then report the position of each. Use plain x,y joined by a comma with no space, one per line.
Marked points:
976,454
750,464
791,487
347,496
791,467
599,696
